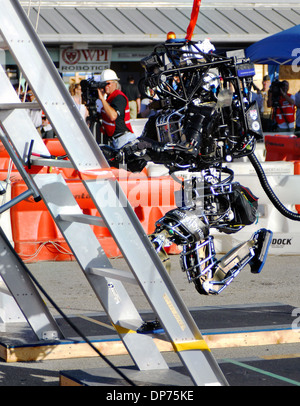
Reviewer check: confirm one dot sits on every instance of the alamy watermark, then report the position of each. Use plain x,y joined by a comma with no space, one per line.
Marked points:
296,62
118,189
296,316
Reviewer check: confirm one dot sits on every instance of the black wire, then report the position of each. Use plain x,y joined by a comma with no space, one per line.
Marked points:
268,190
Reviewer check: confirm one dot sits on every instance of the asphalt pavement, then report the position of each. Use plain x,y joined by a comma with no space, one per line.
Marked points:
279,282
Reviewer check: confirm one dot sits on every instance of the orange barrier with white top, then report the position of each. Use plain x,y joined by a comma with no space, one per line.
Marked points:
37,238
281,147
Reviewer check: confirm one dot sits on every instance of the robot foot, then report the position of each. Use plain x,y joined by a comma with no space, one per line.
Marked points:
264,239
151,327
252,252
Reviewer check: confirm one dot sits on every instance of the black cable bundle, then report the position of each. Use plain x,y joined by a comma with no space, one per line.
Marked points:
269,191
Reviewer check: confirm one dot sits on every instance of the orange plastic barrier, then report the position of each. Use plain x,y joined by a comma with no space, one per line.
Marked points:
14,175
54,146
4,158
37,238
56,149
35,234
3,152
4,163
33,229
282,147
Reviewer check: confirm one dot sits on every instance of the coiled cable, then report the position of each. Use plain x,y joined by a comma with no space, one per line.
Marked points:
269,191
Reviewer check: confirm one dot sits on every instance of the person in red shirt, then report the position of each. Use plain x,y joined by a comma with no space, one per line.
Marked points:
283,107
115,113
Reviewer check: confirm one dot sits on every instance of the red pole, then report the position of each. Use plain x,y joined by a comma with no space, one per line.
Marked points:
194,17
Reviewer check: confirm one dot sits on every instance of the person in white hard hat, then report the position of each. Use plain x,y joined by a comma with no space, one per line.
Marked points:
115,113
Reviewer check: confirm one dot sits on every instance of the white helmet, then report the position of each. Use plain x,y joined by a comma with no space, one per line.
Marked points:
108,74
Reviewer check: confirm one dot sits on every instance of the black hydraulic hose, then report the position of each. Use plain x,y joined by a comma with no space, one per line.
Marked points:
269,191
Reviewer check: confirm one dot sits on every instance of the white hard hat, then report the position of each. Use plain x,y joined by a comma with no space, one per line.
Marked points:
108,74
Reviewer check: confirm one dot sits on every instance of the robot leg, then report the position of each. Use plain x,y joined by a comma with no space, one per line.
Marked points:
212,276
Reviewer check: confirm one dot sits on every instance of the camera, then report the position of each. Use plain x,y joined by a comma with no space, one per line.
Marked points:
276,88
89,96
90,90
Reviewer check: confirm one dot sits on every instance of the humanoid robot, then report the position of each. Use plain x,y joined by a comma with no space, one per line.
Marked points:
204,122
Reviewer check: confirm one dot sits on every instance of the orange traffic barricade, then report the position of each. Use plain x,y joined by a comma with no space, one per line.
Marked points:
282,147
37,238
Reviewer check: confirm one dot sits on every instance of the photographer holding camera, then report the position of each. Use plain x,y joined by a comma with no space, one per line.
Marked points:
283,104
115,113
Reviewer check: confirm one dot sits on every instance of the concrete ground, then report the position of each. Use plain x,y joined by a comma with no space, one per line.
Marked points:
66,284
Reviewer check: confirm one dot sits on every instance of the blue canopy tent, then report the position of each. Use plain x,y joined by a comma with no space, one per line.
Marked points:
282,48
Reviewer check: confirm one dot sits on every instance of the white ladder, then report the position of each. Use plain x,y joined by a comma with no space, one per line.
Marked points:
116,213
